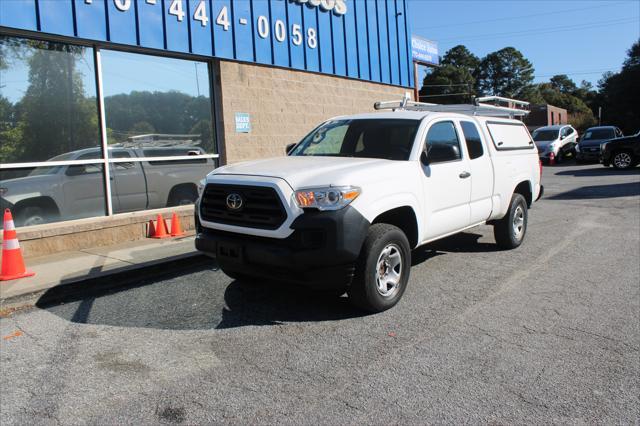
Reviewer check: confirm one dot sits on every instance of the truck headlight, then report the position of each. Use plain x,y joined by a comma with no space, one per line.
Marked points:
577,148
201,186
603,146
328,198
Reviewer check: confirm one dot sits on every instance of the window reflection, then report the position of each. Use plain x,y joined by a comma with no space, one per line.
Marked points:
154,107
154,103
47,100
49,194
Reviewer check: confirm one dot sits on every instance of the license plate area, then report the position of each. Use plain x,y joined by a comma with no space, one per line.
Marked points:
229,252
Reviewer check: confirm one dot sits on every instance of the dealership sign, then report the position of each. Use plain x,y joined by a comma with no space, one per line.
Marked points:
423,50
339,7
361,39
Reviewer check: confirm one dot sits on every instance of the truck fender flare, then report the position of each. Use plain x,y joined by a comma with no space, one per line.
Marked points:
391,202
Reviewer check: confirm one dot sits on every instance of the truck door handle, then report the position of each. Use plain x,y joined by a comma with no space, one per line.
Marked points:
464,175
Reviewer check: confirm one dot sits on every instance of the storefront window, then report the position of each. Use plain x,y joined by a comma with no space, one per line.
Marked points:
158,123
160,106
49,113
156,108
47,100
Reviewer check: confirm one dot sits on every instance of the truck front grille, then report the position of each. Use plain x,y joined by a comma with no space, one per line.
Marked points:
260,207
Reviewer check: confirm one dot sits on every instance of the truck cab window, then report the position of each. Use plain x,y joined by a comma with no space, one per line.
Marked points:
472,138
442,143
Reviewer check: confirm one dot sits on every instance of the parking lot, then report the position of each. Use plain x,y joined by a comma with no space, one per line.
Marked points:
547,333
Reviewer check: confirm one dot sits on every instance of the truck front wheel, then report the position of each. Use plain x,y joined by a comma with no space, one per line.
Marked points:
31,215
510,230
382,270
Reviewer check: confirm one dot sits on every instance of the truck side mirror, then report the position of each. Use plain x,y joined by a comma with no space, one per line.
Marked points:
76,170
424,159
289,148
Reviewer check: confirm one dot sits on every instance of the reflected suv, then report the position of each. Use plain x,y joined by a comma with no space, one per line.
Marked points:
588,149
559,140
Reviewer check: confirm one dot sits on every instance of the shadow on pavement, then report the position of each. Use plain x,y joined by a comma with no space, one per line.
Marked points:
192,298
599,171
599,191
465,242
250,303
195,296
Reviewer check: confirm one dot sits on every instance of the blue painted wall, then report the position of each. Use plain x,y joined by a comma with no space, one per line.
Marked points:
371,41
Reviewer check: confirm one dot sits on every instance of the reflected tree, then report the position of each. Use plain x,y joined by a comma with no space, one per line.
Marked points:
56,114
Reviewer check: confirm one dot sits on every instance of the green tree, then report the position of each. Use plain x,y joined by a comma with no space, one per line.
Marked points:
461,57
454,81
10,132
504,73
618,92
56,115
155,112
448,84
563,83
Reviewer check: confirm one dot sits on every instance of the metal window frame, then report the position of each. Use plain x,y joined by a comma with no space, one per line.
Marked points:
105,160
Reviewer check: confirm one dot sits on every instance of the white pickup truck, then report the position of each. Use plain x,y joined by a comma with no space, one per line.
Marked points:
344,209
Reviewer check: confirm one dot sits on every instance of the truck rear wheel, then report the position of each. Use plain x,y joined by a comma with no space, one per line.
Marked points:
510,230
382,270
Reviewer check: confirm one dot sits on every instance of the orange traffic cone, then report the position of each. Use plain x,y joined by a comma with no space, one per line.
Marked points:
161,228
176,229
552,159
12,262
151,229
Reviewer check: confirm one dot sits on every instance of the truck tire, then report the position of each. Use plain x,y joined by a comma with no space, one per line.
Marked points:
622,160
238,276
31,215
182,196
511,229
382,269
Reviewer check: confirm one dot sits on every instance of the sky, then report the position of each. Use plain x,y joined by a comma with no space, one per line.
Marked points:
582,39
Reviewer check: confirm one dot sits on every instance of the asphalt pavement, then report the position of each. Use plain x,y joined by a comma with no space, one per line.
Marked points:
546,333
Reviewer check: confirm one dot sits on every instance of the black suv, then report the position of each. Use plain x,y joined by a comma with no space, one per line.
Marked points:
622,153
588,149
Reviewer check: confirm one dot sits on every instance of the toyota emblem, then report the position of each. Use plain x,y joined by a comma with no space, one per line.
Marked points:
234,201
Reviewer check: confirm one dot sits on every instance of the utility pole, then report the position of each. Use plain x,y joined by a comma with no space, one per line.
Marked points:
599,116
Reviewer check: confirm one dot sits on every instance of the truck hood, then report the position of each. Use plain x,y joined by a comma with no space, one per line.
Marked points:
545,144
305,172
27,187
26,182
592,142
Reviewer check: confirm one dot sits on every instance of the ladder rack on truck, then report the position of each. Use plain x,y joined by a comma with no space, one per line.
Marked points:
481,107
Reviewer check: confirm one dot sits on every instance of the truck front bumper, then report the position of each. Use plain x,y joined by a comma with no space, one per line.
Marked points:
321,252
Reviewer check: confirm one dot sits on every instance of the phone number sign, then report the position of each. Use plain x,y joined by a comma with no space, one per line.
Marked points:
353,38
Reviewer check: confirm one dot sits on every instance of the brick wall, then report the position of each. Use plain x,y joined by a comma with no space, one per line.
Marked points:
285,105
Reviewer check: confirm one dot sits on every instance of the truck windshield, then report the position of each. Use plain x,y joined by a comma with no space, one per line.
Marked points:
599,134
389,139
545,135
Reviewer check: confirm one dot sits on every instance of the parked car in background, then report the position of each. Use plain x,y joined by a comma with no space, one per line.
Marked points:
74,191
588,148
622,153
559,140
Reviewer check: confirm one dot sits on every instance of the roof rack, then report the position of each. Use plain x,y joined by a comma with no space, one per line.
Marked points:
480,107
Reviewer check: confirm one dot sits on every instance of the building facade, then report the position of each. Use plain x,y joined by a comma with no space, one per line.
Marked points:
545,115
112,107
